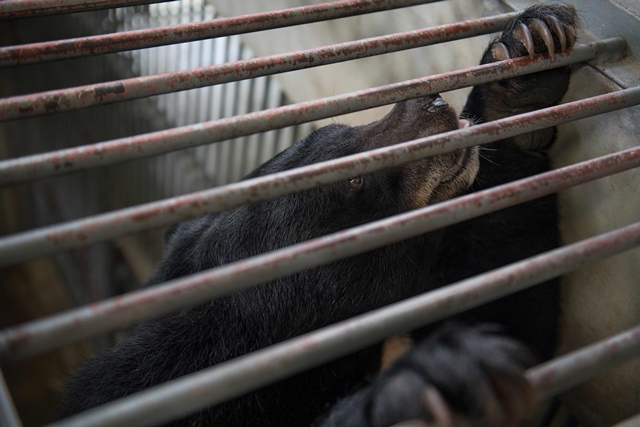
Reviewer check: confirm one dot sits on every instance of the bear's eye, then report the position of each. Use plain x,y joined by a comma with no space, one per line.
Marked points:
355,183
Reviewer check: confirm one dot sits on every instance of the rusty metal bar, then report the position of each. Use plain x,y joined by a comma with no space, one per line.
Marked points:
566,372
160,36
29,8
233,378
8,414
98,228
139,87
155,143
54,101
42,335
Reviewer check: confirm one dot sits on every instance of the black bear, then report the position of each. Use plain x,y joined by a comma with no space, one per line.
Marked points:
465,369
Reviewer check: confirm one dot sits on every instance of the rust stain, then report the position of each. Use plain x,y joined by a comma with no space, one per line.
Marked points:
60,237
18,341
51,106
143,215
109,89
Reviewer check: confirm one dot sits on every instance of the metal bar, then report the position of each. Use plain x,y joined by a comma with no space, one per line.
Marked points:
564,373
155,143
139,87
631,422
182,33
23,106
98,228
233,378
8,414
29,8
41,335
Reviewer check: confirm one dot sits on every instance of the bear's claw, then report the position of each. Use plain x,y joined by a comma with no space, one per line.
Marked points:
523,35
527,31
500,52
542,30
559,31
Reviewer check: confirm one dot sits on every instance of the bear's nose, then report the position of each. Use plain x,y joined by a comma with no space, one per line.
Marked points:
433,103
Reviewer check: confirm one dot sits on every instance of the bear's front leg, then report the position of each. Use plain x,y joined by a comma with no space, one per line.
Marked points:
544,29
512,234
458,376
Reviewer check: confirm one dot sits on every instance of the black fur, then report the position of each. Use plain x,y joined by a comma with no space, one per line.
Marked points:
460,361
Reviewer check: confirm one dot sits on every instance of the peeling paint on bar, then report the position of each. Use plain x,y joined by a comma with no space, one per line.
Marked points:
227,380
155,143
23,106
48,240
118,312
160,36
10,9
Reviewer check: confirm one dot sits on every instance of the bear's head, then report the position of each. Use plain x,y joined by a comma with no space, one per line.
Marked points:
293,218
362,199
349,286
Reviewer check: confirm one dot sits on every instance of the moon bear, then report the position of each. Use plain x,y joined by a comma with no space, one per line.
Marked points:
470,367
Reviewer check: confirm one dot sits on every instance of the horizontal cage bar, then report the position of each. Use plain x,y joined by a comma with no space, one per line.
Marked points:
98,228
181,33
155,143
45,334
30,8
566,372
233,378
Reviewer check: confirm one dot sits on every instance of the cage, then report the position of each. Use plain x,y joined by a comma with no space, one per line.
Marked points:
121,117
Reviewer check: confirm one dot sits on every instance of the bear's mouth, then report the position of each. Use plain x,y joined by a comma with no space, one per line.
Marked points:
461,162
463,157
458,175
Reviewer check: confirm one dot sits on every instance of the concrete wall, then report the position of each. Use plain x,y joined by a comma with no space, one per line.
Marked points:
603,298
598,300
